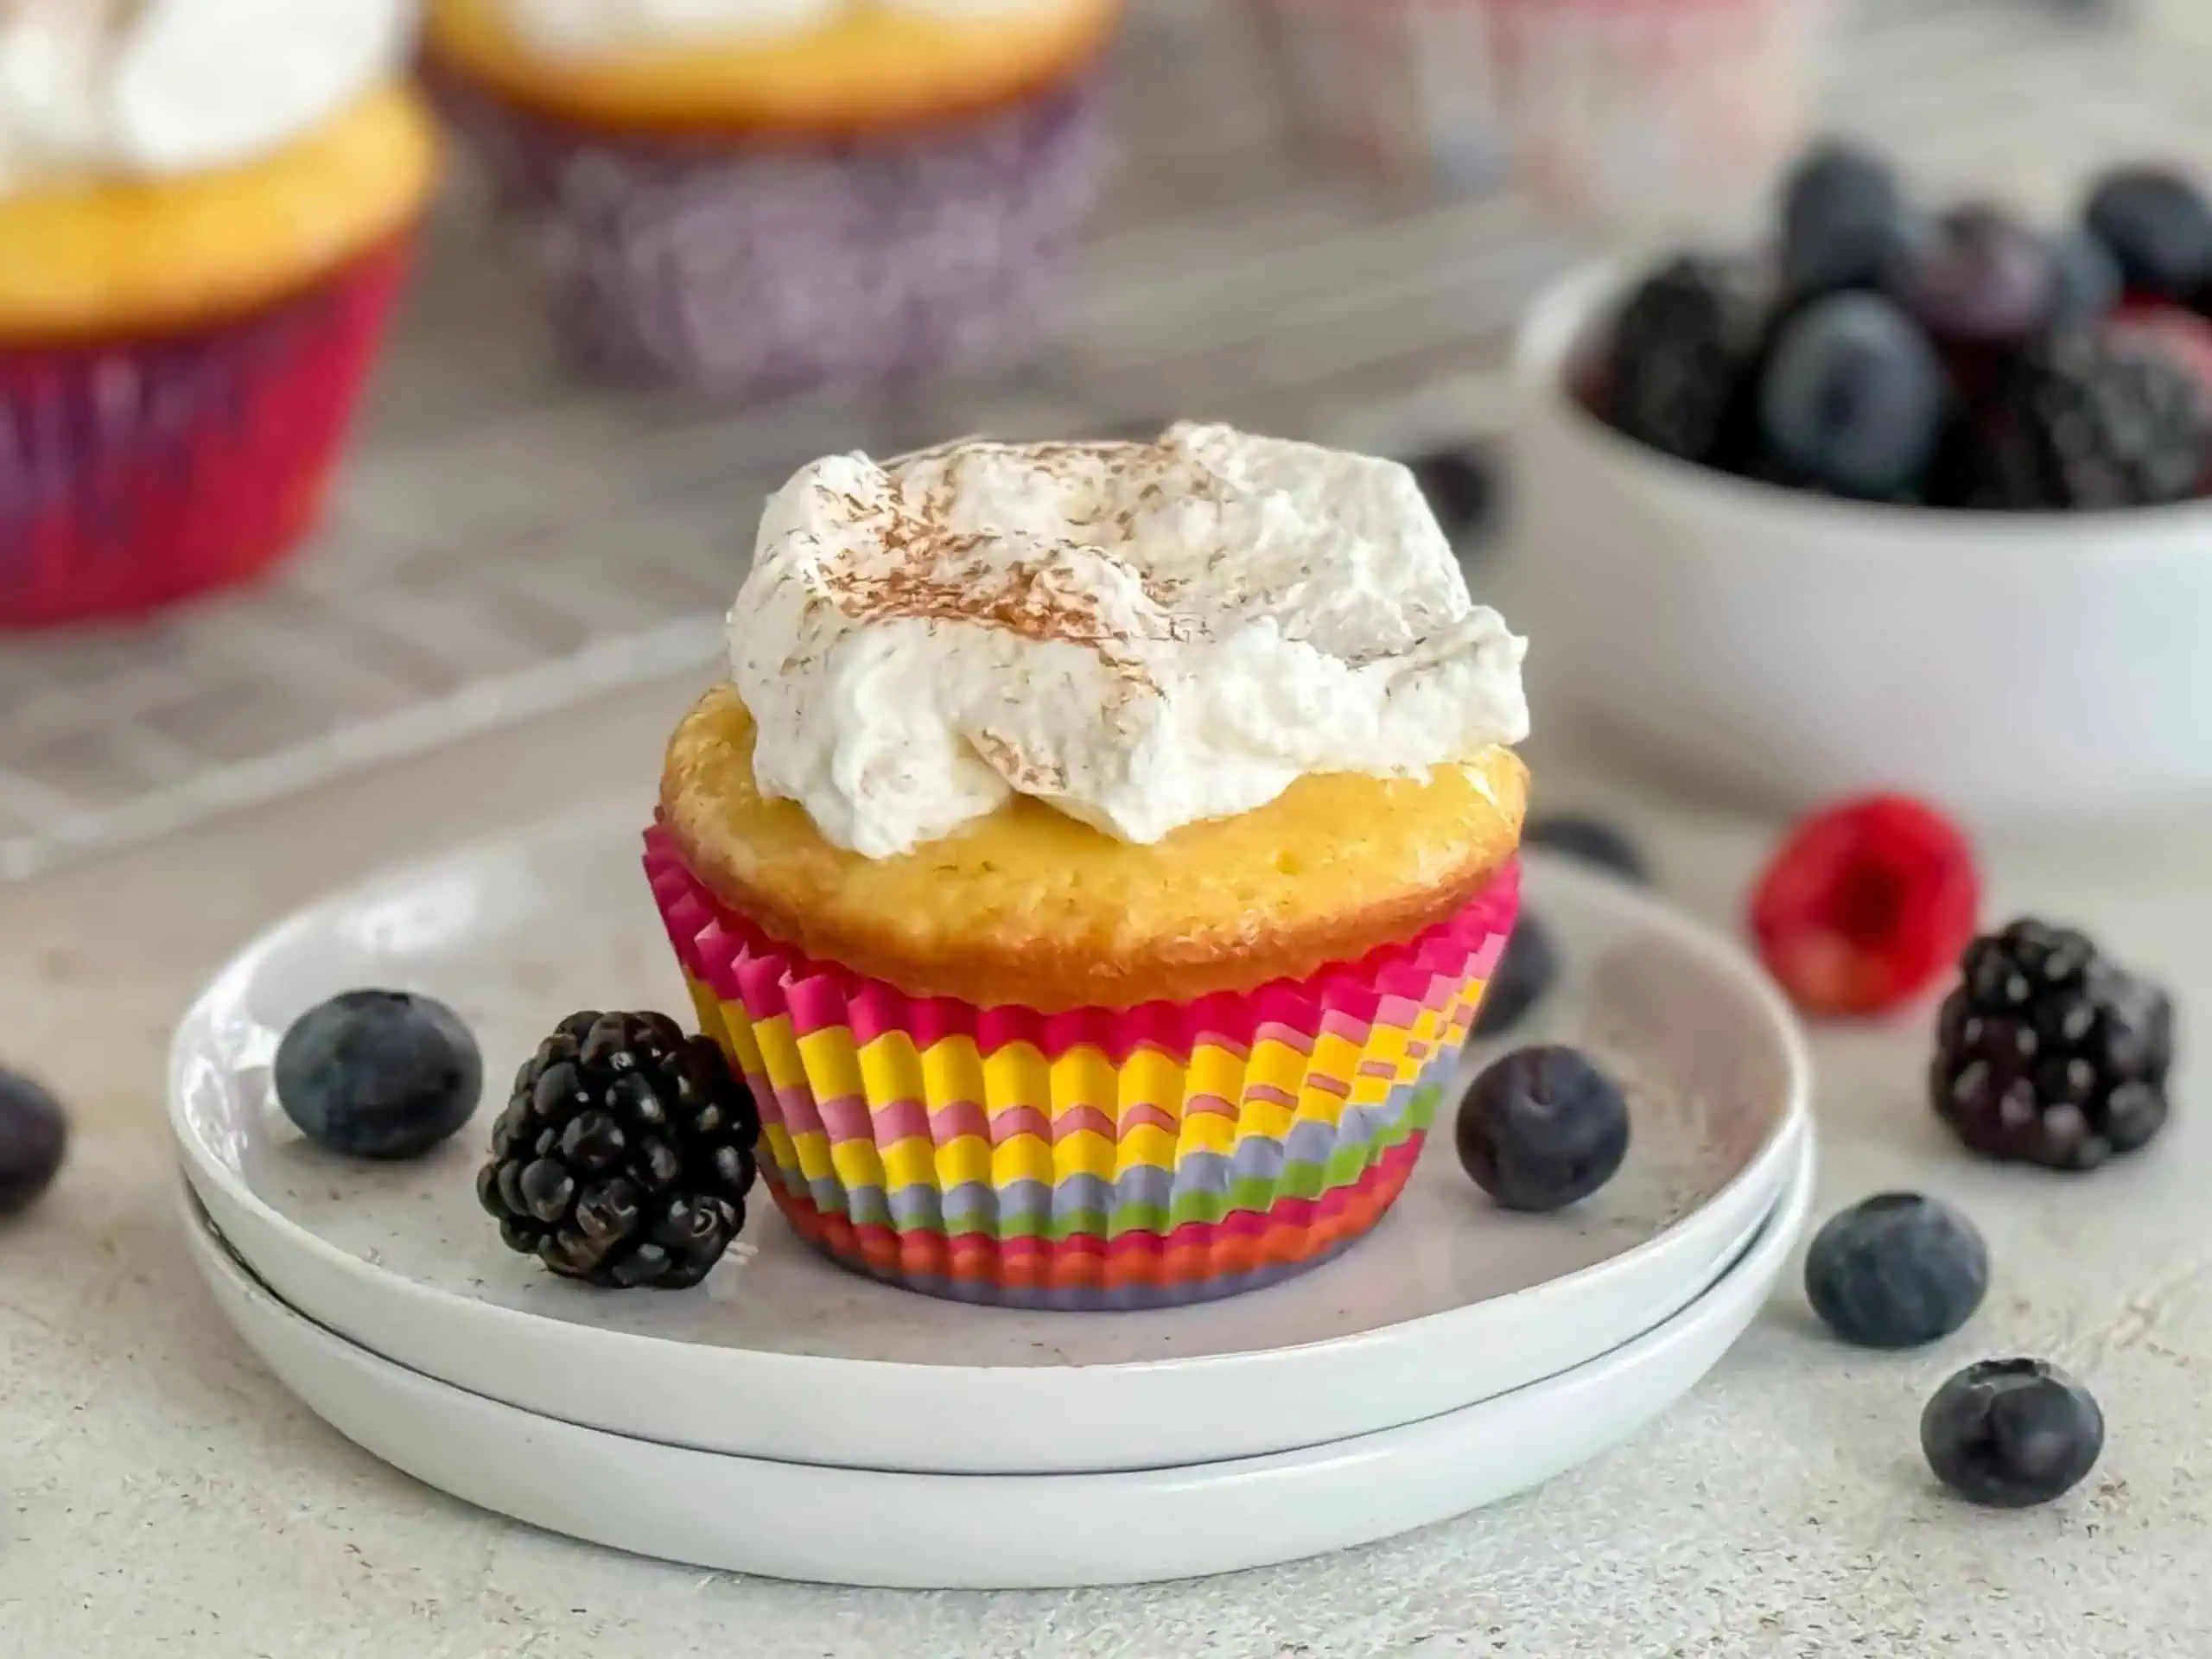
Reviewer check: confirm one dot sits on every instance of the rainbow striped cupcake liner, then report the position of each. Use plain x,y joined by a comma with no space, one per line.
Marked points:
1145,1157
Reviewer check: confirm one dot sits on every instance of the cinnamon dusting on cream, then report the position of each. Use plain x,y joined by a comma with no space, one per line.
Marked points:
1140,634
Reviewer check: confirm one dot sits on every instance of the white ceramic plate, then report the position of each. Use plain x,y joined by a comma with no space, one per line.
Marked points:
780,1354
924,1531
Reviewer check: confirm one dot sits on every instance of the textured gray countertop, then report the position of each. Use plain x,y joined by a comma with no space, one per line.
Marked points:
160,1493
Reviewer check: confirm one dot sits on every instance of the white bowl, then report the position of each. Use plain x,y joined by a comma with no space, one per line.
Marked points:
2008,665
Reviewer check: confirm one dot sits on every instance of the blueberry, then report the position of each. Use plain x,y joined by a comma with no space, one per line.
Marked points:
378,1074
1542,1128
1854,398
1981,277
1460,488
2086,279
1896,1271
34,1136
2157,225
1523,973
1591,841
2012,1432
1843,220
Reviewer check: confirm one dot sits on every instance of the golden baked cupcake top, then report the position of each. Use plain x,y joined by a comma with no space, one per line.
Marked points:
1064,724
795,66
168,161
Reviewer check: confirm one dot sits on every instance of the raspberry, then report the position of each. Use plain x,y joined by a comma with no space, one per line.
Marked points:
1864,905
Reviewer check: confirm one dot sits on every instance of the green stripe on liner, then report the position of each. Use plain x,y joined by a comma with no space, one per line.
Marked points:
1301,1180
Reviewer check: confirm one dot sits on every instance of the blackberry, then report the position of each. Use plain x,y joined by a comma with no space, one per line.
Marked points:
2092,419
1677,372
624,1156
2047,1053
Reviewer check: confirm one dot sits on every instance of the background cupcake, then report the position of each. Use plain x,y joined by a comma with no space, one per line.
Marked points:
1098,858
205,206
1622,108
766,195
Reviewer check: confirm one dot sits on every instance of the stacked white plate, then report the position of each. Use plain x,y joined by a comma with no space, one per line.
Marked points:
787,1418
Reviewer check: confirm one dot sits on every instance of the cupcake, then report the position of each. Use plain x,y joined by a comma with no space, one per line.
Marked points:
205,209
1095,858
765,196
1616,108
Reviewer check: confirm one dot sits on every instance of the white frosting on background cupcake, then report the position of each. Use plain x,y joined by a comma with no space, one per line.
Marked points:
147,89
584,28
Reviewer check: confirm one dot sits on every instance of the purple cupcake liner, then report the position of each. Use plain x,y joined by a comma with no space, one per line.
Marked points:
765,268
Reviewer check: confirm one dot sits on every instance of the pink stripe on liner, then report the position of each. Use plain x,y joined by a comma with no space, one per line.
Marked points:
1080,1119
848,1118
796,1107
1145,1116
999,1127
1402,1012
764,1096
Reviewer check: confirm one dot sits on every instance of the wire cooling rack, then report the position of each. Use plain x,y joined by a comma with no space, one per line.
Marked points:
508,539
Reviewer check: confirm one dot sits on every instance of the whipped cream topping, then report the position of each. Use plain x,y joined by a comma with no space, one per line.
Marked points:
589,28
120,89
1141,635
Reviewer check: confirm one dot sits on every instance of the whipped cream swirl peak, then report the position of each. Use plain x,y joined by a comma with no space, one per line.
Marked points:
1140,635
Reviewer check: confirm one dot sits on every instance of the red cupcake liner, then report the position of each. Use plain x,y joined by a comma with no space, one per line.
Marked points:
762,267
137,473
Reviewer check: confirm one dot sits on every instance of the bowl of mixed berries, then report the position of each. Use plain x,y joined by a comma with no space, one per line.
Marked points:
1916,495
